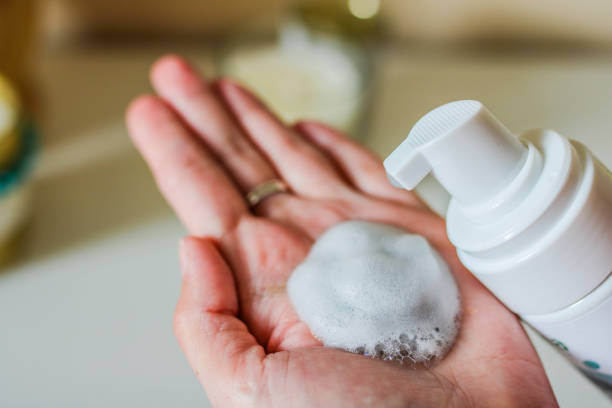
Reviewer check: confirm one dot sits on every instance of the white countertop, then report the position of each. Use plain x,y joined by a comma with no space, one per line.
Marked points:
87,309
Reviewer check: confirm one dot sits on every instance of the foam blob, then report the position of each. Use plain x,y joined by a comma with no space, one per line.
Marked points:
374,289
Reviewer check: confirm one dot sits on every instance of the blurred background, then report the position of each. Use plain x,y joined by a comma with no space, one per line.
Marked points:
89,273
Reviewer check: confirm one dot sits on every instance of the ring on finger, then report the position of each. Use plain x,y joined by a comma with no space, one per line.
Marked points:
266,189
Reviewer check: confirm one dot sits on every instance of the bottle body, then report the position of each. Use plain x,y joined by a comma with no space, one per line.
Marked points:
572,236
583,332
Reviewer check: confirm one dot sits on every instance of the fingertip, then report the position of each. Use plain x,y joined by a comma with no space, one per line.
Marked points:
172,71
187,244
141,115
185,247
228,83
208,283
225,82
310,128
222,86
320,133
169,58
166,65
141,107
142,104
306,123
198,251
300,125
238,96
314,124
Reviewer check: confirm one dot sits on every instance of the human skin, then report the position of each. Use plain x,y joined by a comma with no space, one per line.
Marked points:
207,144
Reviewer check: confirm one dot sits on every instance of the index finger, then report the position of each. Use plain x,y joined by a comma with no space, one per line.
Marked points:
202,195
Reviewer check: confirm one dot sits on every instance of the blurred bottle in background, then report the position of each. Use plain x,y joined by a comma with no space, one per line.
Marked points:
355,21
16,132
320,67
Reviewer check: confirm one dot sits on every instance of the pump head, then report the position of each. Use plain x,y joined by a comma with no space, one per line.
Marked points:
464,146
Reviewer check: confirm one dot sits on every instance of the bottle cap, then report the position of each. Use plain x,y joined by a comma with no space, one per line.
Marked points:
467,149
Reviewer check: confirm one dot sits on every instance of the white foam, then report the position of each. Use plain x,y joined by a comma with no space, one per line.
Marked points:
375,289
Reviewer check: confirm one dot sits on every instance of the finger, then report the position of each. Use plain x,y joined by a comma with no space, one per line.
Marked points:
219,347
307,171
359,165
308,216
261,275
194,99
192,182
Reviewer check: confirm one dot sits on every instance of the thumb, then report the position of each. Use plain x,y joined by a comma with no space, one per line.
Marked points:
219,347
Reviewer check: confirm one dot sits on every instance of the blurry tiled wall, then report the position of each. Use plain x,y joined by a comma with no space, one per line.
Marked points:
408,19
584,20
64,18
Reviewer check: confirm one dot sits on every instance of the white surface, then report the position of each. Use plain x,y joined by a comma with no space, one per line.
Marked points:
86,314
91,326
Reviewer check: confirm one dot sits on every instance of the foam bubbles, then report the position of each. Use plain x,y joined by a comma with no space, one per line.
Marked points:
376,290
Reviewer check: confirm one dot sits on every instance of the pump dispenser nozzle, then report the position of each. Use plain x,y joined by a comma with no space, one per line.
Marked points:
467,149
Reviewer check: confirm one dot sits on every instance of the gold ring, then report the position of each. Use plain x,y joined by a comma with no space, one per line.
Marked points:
264,190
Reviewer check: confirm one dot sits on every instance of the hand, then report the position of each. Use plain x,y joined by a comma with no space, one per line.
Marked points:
207,144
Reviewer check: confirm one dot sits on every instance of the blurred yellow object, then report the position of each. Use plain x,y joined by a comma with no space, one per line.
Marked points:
17,23
352,20
364,9
10,112
16,34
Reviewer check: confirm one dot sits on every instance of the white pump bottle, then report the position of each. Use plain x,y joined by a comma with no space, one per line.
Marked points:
531,218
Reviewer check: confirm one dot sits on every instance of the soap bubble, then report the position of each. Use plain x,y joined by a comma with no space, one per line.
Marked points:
377,290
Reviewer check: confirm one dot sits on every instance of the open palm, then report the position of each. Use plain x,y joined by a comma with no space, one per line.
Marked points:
210,143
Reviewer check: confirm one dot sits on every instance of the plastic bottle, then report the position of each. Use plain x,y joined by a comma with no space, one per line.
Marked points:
531,218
